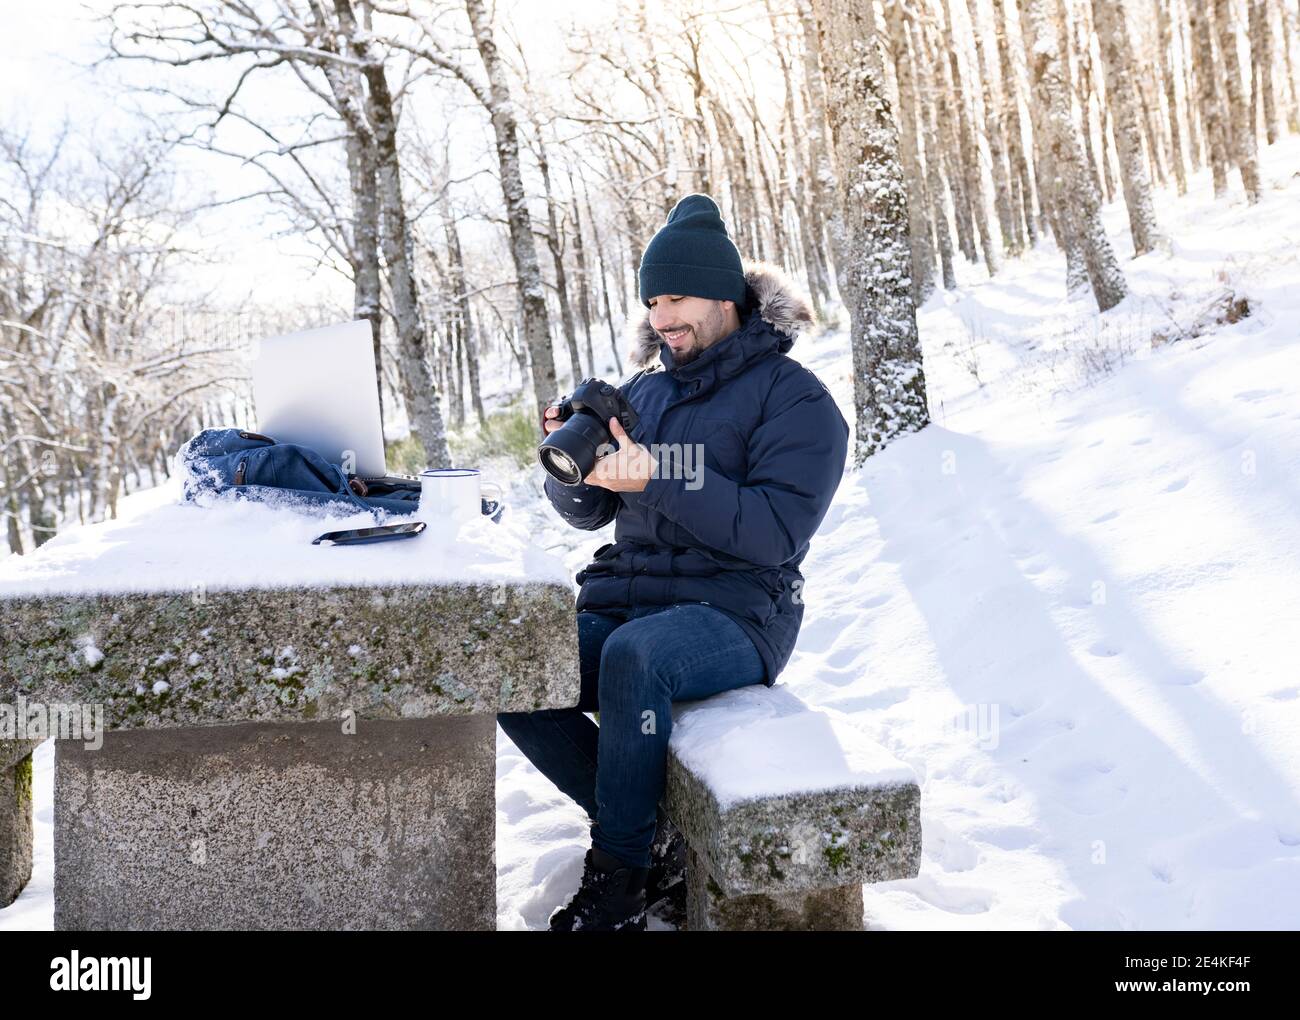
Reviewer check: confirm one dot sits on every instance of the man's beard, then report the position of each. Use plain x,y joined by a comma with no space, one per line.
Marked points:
688,354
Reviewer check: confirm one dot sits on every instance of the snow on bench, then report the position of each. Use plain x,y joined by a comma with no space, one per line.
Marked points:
787,811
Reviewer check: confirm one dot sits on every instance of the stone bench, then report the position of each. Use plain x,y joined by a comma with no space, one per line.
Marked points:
786,812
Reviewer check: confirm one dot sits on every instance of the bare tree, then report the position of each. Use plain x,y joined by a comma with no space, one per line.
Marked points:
336,44
934,181
1241,122
1211,106
1165,66
821,170
967,150
395,238
496,100
1262,96
1021,176
1078,198
888,380
1121,95
909,152
98,371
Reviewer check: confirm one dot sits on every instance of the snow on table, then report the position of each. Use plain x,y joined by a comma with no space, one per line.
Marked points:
159,543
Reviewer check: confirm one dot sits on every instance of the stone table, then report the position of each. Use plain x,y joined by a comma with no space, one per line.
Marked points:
292,756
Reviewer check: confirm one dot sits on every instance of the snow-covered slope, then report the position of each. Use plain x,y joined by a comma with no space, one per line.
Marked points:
1067,603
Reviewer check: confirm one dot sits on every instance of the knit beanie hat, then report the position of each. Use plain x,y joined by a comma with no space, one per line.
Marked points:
692,255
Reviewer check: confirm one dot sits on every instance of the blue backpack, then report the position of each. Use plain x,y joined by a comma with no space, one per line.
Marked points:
259,468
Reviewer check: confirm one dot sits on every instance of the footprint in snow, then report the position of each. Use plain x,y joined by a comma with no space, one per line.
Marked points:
1254,395
882,699
1163,871
842,658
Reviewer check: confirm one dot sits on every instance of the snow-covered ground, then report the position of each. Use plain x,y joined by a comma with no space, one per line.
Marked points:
1066,603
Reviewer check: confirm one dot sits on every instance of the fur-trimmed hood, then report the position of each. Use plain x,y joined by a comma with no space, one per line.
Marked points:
771,293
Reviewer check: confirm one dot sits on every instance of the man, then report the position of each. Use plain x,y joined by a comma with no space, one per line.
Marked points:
716,493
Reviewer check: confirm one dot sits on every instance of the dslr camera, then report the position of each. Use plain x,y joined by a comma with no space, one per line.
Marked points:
570,452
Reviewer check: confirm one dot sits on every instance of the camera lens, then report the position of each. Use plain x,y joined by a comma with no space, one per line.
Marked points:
569,453
560,465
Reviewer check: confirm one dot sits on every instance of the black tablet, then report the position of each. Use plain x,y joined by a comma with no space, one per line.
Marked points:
359,536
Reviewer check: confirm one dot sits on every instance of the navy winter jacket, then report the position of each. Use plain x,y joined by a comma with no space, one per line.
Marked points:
732,531
256,467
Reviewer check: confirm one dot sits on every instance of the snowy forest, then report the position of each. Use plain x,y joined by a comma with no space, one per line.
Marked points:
478,183
1051,248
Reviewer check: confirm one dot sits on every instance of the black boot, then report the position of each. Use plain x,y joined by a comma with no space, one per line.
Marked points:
665,893
610,898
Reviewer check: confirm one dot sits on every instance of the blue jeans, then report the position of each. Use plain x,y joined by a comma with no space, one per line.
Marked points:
633,664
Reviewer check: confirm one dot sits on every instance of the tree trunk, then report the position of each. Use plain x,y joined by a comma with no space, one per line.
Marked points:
968,154
459,289
1153,128
1021,175
418,387
604,278
1287,25
1079,197
1261,60
367,302
1113,37
933,175
888,379
917,218
584,280
1012,240
793,181
1241,125
1165,65
555,243
536,324
1197,145
948,148
826,211
1198,14
1080,56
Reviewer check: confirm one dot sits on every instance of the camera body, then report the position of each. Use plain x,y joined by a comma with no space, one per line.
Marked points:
570,452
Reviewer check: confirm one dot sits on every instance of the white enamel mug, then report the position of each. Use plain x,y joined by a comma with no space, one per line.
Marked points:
451,494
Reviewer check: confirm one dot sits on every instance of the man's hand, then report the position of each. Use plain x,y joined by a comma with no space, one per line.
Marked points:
551,419
626,470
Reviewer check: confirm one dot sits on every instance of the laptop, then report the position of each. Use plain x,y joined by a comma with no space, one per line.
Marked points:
318,388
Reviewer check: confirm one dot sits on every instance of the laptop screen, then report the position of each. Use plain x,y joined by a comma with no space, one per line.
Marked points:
318,388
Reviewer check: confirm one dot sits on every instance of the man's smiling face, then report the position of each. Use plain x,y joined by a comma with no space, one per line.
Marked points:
691,325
